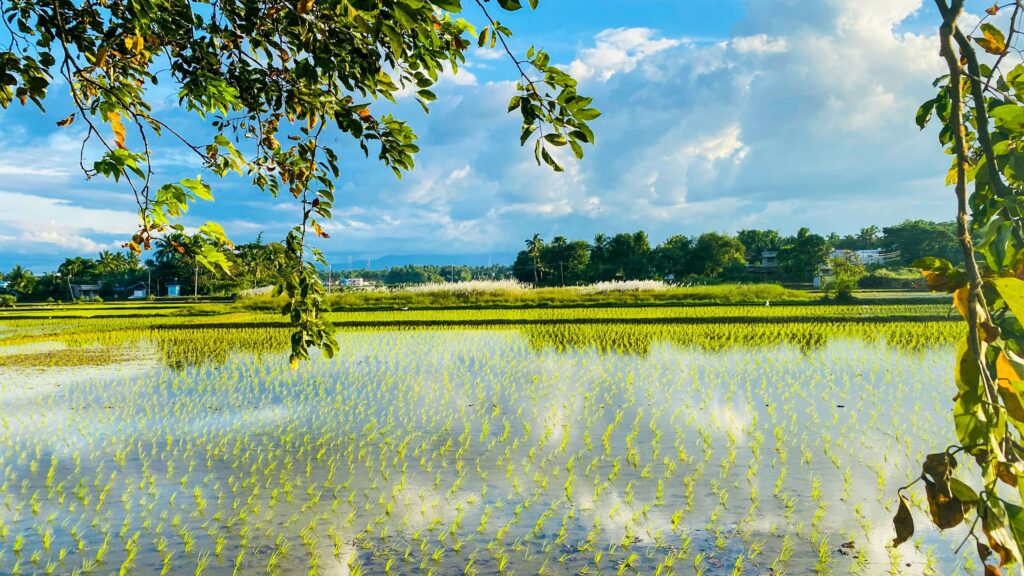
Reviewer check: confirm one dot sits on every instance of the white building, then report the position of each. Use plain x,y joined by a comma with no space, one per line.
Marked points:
866,257
354,282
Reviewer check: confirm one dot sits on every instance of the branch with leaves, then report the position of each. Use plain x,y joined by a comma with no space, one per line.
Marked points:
981,107
270,77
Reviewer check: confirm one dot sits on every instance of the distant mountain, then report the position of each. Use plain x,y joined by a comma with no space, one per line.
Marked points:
341,262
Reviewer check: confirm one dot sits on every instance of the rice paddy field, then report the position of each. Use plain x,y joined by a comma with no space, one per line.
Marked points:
667,440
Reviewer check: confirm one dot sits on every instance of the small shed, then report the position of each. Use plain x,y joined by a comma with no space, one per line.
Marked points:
137,291
86,291
173,289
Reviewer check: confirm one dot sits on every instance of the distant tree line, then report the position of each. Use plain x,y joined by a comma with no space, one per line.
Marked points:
625,256
713,255
421,274
252,265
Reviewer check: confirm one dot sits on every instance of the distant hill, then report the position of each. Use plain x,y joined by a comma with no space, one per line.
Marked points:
341,262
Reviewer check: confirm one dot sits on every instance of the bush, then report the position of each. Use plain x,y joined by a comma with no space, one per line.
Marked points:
901,278
7,300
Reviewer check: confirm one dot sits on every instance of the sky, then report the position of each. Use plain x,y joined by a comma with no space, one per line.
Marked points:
718,115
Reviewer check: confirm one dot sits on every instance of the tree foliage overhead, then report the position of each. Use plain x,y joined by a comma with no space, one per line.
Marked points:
273,79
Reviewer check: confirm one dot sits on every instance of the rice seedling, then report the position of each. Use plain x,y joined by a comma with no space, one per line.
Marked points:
540,448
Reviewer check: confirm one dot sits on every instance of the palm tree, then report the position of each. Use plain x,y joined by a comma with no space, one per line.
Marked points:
108,263
72,267
533,248
600,247
20,280
171,247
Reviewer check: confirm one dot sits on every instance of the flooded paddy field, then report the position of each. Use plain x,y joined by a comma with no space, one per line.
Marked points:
555,449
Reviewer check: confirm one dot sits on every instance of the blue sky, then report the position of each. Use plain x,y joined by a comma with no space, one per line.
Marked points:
718,115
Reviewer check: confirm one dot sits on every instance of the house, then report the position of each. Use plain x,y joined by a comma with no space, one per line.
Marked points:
174,289
825,275
866,257
137,291
769,259
354,283
86,291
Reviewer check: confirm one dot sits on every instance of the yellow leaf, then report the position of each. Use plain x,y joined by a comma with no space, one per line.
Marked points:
320,231
66,121
1005,372
992,40
992,10
305,6
101,57
960,299
293,362
115,124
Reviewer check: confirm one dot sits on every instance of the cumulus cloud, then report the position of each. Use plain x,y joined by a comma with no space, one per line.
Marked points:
618,50
804,116
759,44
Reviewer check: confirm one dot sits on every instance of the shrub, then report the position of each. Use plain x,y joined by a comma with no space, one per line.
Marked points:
7,300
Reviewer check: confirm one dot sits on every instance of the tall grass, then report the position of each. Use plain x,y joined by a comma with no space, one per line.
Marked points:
516,295
624,286
473,286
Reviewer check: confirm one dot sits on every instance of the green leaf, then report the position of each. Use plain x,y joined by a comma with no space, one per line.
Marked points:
510,5
212,259
924,113
1010,118
969,419
577,150
1012,292
1015,517
962,491
215,232
550,161
198,187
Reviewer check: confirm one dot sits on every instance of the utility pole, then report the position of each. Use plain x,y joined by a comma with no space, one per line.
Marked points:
149,281
195,286
561,273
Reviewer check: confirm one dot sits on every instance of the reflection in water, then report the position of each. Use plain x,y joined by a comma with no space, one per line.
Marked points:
539,449
639,338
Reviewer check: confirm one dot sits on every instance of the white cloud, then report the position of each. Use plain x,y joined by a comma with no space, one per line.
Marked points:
804,117
28,209
618,50
36,224
759,44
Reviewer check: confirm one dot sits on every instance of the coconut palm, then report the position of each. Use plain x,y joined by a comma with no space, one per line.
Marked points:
108,264
172,247
533,247
20,280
